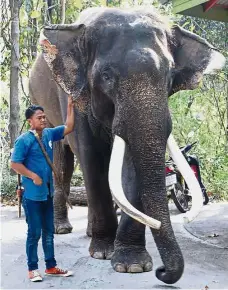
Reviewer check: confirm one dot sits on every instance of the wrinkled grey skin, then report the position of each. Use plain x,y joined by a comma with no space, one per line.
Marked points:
120,68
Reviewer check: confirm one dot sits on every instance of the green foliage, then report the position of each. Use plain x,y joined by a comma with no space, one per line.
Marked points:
196,117
77,178
74,7
201,115
8,184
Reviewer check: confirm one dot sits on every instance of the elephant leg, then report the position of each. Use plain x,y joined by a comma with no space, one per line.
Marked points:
89,225
64,163
94,160
101,215
130,254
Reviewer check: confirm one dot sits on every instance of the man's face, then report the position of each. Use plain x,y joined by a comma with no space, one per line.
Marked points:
38,121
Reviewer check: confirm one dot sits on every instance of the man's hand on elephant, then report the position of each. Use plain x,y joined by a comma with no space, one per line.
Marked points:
70,100
36,179
70,116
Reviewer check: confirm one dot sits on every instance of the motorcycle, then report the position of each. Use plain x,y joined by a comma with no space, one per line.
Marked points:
176,186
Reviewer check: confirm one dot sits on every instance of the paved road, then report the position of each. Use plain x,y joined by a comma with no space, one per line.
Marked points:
205,264
211,225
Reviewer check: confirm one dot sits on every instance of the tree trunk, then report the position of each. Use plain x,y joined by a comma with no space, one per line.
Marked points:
34,38
226,88
63,8
14,72
227,119
49,12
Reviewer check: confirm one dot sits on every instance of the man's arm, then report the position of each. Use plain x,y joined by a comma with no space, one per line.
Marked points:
21,169
69,126
17,158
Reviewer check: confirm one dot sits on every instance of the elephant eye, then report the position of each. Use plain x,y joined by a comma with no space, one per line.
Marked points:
105,76
68,54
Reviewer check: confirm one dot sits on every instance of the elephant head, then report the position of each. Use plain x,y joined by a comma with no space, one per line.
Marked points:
126,64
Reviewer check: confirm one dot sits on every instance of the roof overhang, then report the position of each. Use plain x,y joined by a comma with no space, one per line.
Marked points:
208,9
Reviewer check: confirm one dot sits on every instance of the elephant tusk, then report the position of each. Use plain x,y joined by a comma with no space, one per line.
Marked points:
192,182
115,172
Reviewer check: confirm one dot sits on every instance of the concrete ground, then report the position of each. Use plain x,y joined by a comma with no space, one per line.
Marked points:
204,246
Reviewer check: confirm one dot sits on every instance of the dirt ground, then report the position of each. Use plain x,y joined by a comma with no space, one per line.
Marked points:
204,244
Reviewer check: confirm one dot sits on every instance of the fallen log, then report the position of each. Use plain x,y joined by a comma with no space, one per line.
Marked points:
78,195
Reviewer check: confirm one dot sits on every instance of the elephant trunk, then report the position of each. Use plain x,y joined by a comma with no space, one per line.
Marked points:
149,160
147,144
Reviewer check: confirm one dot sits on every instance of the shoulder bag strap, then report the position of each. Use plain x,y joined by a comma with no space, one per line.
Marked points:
57,176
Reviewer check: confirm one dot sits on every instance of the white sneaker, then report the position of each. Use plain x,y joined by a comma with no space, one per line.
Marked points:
35,276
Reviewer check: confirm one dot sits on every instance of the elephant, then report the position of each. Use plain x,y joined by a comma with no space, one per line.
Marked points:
120,66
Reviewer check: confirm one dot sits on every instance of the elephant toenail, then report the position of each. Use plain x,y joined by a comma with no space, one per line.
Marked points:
109,255
135,268
120,268
62,231
148,267
98,255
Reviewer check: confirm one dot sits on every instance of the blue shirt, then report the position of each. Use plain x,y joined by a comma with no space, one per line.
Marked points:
27,151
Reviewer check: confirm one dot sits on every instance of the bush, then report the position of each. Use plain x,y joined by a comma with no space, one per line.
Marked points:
77,178
8,180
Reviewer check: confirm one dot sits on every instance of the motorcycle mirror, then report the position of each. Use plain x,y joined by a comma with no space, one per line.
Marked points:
194,143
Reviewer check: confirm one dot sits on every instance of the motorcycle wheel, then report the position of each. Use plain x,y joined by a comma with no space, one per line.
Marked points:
180,198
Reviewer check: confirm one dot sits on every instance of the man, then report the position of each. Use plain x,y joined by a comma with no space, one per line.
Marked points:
29,161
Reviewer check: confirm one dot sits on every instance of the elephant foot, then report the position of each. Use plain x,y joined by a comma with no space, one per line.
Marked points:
63,227
101,248
131,260
89,229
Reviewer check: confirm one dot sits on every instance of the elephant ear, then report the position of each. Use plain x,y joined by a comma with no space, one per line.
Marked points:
193,56
62,47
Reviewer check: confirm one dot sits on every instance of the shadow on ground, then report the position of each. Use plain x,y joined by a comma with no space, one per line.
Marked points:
211,225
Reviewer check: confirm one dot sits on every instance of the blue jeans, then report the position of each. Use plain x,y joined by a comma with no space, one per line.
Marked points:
40,218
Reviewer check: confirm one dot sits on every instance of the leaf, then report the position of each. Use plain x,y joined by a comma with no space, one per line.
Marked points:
213,235
35,14
41,4
23,16
191,134
103,2
78,3
3,134
192,27
186,23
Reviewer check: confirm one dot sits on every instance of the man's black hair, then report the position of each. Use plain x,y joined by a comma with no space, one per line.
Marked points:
30,111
